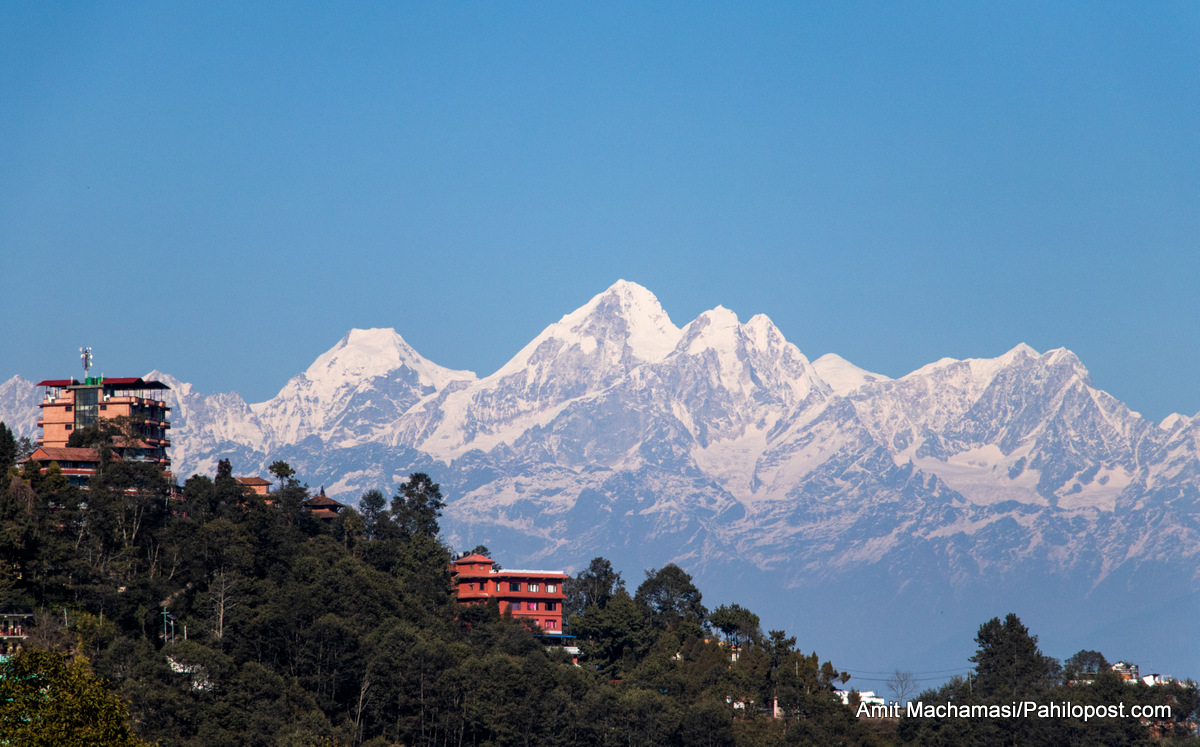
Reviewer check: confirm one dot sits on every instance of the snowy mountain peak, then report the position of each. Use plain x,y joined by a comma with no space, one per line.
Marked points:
19,398
624,320
842,376
1021,350
367,371
367,353
716,328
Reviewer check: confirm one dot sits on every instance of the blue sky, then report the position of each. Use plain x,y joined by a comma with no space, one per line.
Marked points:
222,191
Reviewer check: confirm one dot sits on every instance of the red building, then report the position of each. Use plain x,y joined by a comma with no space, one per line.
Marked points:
536,596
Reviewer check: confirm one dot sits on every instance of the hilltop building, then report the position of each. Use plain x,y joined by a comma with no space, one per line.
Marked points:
78,465
255,485
536,596
1127,671
69,405
323,507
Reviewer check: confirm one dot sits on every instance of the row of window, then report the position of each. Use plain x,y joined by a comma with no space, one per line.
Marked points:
513,586
534,606
516,586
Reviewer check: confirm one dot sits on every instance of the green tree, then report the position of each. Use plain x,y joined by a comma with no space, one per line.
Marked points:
614,635
670,597
1084,664
46,699
283,472
592,587
416,509
25,447
371,505
8,449
738,624
1008,664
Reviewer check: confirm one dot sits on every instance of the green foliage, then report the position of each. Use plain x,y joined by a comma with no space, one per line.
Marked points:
737,624
8,449
416,509
1008,664
1009,667
592,587
282,471
288,630
372,505
1085,663
46,699
670,598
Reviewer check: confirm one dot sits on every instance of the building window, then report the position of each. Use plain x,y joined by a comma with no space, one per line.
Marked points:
70,427
533,606
551,624
551,606
533,587
551,588
514,585
515,606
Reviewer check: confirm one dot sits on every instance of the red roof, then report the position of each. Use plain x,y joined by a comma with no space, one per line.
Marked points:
251,481
65,454
57,382
476,558
324,500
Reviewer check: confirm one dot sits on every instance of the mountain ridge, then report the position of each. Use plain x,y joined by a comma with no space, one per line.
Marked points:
721,445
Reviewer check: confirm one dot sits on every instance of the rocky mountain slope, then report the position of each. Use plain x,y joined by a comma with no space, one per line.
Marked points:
719,445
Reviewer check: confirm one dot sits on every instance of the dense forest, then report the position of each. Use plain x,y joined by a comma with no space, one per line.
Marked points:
214,616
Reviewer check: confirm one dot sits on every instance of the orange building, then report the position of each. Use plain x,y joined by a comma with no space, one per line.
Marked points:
536,596
69,405
255,485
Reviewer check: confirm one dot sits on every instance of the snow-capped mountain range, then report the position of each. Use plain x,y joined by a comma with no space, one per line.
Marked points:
720,446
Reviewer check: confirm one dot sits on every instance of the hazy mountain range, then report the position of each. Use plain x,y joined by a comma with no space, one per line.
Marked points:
840,503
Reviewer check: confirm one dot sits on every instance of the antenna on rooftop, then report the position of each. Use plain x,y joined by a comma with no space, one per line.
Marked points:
86,355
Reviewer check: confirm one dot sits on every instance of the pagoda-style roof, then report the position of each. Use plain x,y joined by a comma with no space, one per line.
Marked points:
323,501
474,559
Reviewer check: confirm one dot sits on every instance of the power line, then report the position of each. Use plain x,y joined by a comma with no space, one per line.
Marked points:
881,679
931,671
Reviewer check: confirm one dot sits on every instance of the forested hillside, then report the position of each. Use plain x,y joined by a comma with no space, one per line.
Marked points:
223,617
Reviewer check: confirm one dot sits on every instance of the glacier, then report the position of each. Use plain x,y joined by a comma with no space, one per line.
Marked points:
845,505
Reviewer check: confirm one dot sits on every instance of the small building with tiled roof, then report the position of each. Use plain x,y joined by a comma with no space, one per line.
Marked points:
78,465
256,485
323,507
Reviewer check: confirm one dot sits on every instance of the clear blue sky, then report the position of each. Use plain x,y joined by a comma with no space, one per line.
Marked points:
222,190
